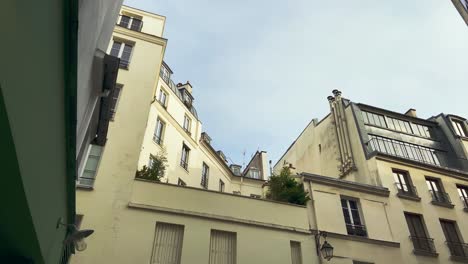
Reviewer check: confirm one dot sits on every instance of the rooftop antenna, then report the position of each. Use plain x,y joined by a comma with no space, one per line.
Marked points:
243,158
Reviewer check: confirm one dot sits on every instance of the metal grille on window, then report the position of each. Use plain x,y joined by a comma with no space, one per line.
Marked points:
296,254
124,21
223,248
168,243
115,50
354,225
89,173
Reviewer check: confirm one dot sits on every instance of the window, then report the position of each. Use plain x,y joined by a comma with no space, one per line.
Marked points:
255,196
374,119
418,234
122,51
223,248
114,100
253,173
437,191
403,150
296,253
205,175
187,123
221,186
168,243
459,128
354,223
181,182
463,193
453,240
162,98
132,23
399,125
89,173
159,132
421,130
165,74
184,157
403,183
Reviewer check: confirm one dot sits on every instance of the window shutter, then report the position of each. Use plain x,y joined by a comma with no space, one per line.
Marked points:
222,247
168,244
296,254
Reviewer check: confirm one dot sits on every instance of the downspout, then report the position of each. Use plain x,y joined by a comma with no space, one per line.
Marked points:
313,223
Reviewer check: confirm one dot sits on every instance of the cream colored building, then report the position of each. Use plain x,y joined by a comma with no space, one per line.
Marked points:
386,187
189,217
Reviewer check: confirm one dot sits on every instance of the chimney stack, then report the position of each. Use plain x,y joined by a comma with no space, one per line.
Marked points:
411,112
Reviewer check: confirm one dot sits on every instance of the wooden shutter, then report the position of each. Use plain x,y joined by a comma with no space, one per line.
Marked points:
296,253
168,244
417,231
222,247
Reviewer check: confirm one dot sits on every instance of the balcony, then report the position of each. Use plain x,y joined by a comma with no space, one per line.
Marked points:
458,250
184,164
403,150
356,230
441,198
407,191
423,246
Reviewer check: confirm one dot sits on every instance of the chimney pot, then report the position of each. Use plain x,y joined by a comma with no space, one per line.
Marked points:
336,92
411,112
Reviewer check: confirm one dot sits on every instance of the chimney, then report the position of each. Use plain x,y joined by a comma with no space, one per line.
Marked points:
411,112
206,138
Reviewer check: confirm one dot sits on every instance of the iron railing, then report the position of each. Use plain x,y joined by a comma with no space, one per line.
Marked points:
403,150
158,140
184,164
458,249
440,197
67,251
406,189
356,230
424,244
464,201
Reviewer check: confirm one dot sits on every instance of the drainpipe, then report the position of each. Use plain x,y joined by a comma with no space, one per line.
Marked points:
313,222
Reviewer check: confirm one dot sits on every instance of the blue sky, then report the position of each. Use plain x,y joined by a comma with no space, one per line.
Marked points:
261,70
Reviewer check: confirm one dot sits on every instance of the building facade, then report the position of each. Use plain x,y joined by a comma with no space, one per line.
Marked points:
45,112
387,187
204,210
462,7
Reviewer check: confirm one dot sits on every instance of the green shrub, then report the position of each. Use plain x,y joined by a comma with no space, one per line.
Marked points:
284,188
155,172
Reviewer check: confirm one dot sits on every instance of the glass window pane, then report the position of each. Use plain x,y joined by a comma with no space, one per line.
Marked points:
115,49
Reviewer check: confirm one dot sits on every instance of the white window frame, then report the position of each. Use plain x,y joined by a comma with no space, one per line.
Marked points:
161,93
458,127
222,185
163,128
187,123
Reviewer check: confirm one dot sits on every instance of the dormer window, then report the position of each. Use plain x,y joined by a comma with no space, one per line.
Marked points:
130,22
459,128
186,97
253,173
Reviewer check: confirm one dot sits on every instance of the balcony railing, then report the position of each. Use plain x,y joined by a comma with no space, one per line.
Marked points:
440,197
406,189
458,249
465,202
423,244
184,164
356,230
403,150
158,140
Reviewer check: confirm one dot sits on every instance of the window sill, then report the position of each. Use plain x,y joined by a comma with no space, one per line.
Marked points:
186,170
446,205
459,259
425,253
84,187
123,67
409,197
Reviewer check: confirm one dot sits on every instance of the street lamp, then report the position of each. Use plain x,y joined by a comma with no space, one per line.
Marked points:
326,250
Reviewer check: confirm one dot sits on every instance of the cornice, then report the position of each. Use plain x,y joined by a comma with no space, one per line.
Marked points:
140,35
